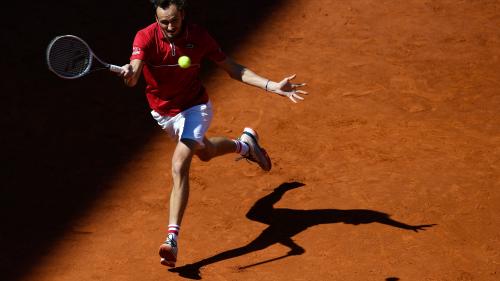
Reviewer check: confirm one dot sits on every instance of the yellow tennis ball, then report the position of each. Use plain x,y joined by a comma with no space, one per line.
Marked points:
184,62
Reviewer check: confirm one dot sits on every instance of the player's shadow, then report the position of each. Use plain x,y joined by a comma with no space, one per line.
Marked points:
286,223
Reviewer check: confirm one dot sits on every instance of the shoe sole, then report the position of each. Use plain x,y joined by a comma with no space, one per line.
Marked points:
264,161
167,257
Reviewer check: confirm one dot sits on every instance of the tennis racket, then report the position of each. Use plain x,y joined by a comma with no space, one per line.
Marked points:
70,57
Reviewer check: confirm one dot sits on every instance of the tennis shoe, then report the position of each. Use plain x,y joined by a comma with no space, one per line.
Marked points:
255,153
168,252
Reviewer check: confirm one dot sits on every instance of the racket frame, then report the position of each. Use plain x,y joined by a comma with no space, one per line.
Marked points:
92,55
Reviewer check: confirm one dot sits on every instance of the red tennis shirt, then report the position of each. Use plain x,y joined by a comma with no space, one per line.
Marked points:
171,89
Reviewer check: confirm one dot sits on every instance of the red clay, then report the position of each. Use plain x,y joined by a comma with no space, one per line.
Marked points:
400,132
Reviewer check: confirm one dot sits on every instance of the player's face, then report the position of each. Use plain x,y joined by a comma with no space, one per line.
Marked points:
170,20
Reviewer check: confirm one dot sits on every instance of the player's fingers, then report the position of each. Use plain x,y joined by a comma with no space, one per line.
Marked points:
302,92
299,85
298,97
290,77
291,97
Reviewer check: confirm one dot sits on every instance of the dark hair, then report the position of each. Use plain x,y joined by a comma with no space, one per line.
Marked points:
181,4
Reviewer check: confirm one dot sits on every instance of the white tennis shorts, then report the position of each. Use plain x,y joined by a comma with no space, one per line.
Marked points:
191,123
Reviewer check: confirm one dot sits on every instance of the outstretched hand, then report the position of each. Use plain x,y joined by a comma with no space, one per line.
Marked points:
288,89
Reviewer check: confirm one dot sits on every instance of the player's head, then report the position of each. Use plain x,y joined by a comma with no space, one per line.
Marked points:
170,15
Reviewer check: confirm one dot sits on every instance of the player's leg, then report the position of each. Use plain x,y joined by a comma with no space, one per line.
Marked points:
246,145
190,127
216,146
196,121
181,162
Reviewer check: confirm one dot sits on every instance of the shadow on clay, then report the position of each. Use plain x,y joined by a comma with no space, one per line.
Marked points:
286,223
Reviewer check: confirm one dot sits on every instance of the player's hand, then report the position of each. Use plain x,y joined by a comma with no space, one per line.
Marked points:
288,89
127,71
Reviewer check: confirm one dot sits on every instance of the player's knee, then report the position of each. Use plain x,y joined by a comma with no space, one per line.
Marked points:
179,167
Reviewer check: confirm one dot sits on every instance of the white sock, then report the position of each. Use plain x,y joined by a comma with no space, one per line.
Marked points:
173,231
241,147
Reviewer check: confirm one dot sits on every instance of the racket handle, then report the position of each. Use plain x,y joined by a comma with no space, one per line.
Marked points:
115,68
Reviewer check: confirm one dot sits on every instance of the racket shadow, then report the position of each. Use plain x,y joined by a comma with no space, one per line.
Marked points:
286,223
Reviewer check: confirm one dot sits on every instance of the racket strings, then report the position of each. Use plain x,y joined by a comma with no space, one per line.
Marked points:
69,57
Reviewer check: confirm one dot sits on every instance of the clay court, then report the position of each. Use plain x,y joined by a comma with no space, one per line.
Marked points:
388,170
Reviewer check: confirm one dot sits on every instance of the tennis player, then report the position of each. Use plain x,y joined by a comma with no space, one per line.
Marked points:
180,104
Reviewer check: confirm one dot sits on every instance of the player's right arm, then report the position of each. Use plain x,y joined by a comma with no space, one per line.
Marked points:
132,72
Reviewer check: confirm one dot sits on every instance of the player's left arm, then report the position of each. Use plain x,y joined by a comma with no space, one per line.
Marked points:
284,88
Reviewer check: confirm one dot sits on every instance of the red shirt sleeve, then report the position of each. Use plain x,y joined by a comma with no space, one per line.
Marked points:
139,47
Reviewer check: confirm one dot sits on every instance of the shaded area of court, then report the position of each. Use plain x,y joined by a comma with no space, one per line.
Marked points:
63,140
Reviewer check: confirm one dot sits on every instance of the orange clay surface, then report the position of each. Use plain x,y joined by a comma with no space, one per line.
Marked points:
389,170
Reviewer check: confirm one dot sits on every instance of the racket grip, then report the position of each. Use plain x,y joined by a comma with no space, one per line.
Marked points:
115,68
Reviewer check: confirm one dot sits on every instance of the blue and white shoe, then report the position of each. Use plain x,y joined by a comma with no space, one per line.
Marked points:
255,153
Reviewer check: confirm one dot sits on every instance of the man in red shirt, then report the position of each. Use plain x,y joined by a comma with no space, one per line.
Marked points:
180,103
